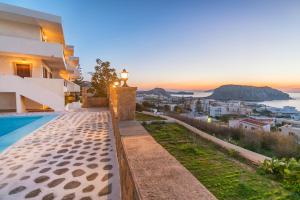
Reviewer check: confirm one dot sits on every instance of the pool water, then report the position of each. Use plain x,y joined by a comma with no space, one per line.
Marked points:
13,128
9,124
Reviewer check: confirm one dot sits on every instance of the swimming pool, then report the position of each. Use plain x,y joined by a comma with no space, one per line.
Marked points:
13,128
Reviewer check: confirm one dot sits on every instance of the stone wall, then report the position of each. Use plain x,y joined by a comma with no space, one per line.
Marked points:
128,187
147,170
90,102
123,100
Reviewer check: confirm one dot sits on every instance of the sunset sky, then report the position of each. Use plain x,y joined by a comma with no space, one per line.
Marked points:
185,44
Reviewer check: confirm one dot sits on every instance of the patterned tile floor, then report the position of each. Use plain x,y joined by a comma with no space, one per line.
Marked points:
71,157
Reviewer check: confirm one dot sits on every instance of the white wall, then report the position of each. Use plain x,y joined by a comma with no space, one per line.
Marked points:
234,123
54,85
7,65
10,28
288,129
247,126
34,91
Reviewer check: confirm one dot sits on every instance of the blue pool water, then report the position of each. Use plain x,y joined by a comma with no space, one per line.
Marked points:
13,128
9,124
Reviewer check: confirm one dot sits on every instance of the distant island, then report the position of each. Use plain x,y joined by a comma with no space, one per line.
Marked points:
247,93
155,91
163,92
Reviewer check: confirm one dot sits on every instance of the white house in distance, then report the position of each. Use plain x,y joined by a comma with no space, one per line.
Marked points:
250,124
36,65
218,111
290,129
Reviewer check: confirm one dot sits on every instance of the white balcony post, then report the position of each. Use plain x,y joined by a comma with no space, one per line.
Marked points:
20,107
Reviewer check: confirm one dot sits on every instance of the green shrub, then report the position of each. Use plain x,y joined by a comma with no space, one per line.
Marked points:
287,170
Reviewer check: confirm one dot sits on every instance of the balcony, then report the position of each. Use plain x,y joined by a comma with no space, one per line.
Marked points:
71,87
51,53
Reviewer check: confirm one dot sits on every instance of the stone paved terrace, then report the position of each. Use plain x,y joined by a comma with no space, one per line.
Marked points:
71,157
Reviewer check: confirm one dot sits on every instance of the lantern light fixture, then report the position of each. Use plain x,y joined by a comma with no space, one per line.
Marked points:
124,77
116,84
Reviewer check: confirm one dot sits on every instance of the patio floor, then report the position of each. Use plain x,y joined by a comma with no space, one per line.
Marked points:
71,157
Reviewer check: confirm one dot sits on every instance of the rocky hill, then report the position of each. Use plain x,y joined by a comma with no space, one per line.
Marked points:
163,92
248,93
156,91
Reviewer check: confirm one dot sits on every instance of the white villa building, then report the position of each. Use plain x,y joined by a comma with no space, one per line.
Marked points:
218,108
250,124
218,111
290,129
36,65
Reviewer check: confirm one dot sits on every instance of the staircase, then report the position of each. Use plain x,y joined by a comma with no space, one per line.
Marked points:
40,93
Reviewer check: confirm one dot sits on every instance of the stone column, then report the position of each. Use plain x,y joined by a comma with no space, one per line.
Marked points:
84,97
123,100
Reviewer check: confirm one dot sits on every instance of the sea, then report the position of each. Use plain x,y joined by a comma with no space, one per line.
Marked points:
295,101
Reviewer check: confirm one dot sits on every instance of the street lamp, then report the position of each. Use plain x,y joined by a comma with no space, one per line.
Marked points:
116,84
124,77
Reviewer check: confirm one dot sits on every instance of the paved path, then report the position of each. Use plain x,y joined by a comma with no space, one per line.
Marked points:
253,157
71,157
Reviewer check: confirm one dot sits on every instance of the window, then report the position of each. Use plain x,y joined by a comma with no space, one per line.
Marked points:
23,70
45,73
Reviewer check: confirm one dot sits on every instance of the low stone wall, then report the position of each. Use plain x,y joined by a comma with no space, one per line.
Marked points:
128,187
90,102
148,171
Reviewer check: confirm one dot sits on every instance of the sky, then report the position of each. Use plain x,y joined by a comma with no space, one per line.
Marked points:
185,45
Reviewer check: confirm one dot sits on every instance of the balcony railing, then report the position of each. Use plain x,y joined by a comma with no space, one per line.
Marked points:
71,87
23,46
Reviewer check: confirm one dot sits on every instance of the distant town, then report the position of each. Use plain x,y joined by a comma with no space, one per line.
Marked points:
247,115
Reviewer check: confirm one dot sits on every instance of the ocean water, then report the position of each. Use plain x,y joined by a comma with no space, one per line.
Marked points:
295,102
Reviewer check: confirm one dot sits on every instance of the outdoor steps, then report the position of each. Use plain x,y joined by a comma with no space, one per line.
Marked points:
35,92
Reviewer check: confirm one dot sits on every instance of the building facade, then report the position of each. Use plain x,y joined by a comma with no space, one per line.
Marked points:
250,124
37,67
290,129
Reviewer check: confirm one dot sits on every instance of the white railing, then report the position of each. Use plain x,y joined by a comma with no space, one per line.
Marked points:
30,47
71,87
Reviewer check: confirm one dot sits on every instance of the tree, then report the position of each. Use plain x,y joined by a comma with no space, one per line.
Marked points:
139,107
102,78
79,79
167,108
178,109
148,104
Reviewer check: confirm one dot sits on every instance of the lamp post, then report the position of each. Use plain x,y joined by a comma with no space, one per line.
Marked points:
116,84
124,77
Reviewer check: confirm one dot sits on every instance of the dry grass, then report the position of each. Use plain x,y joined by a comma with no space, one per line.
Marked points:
269,144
